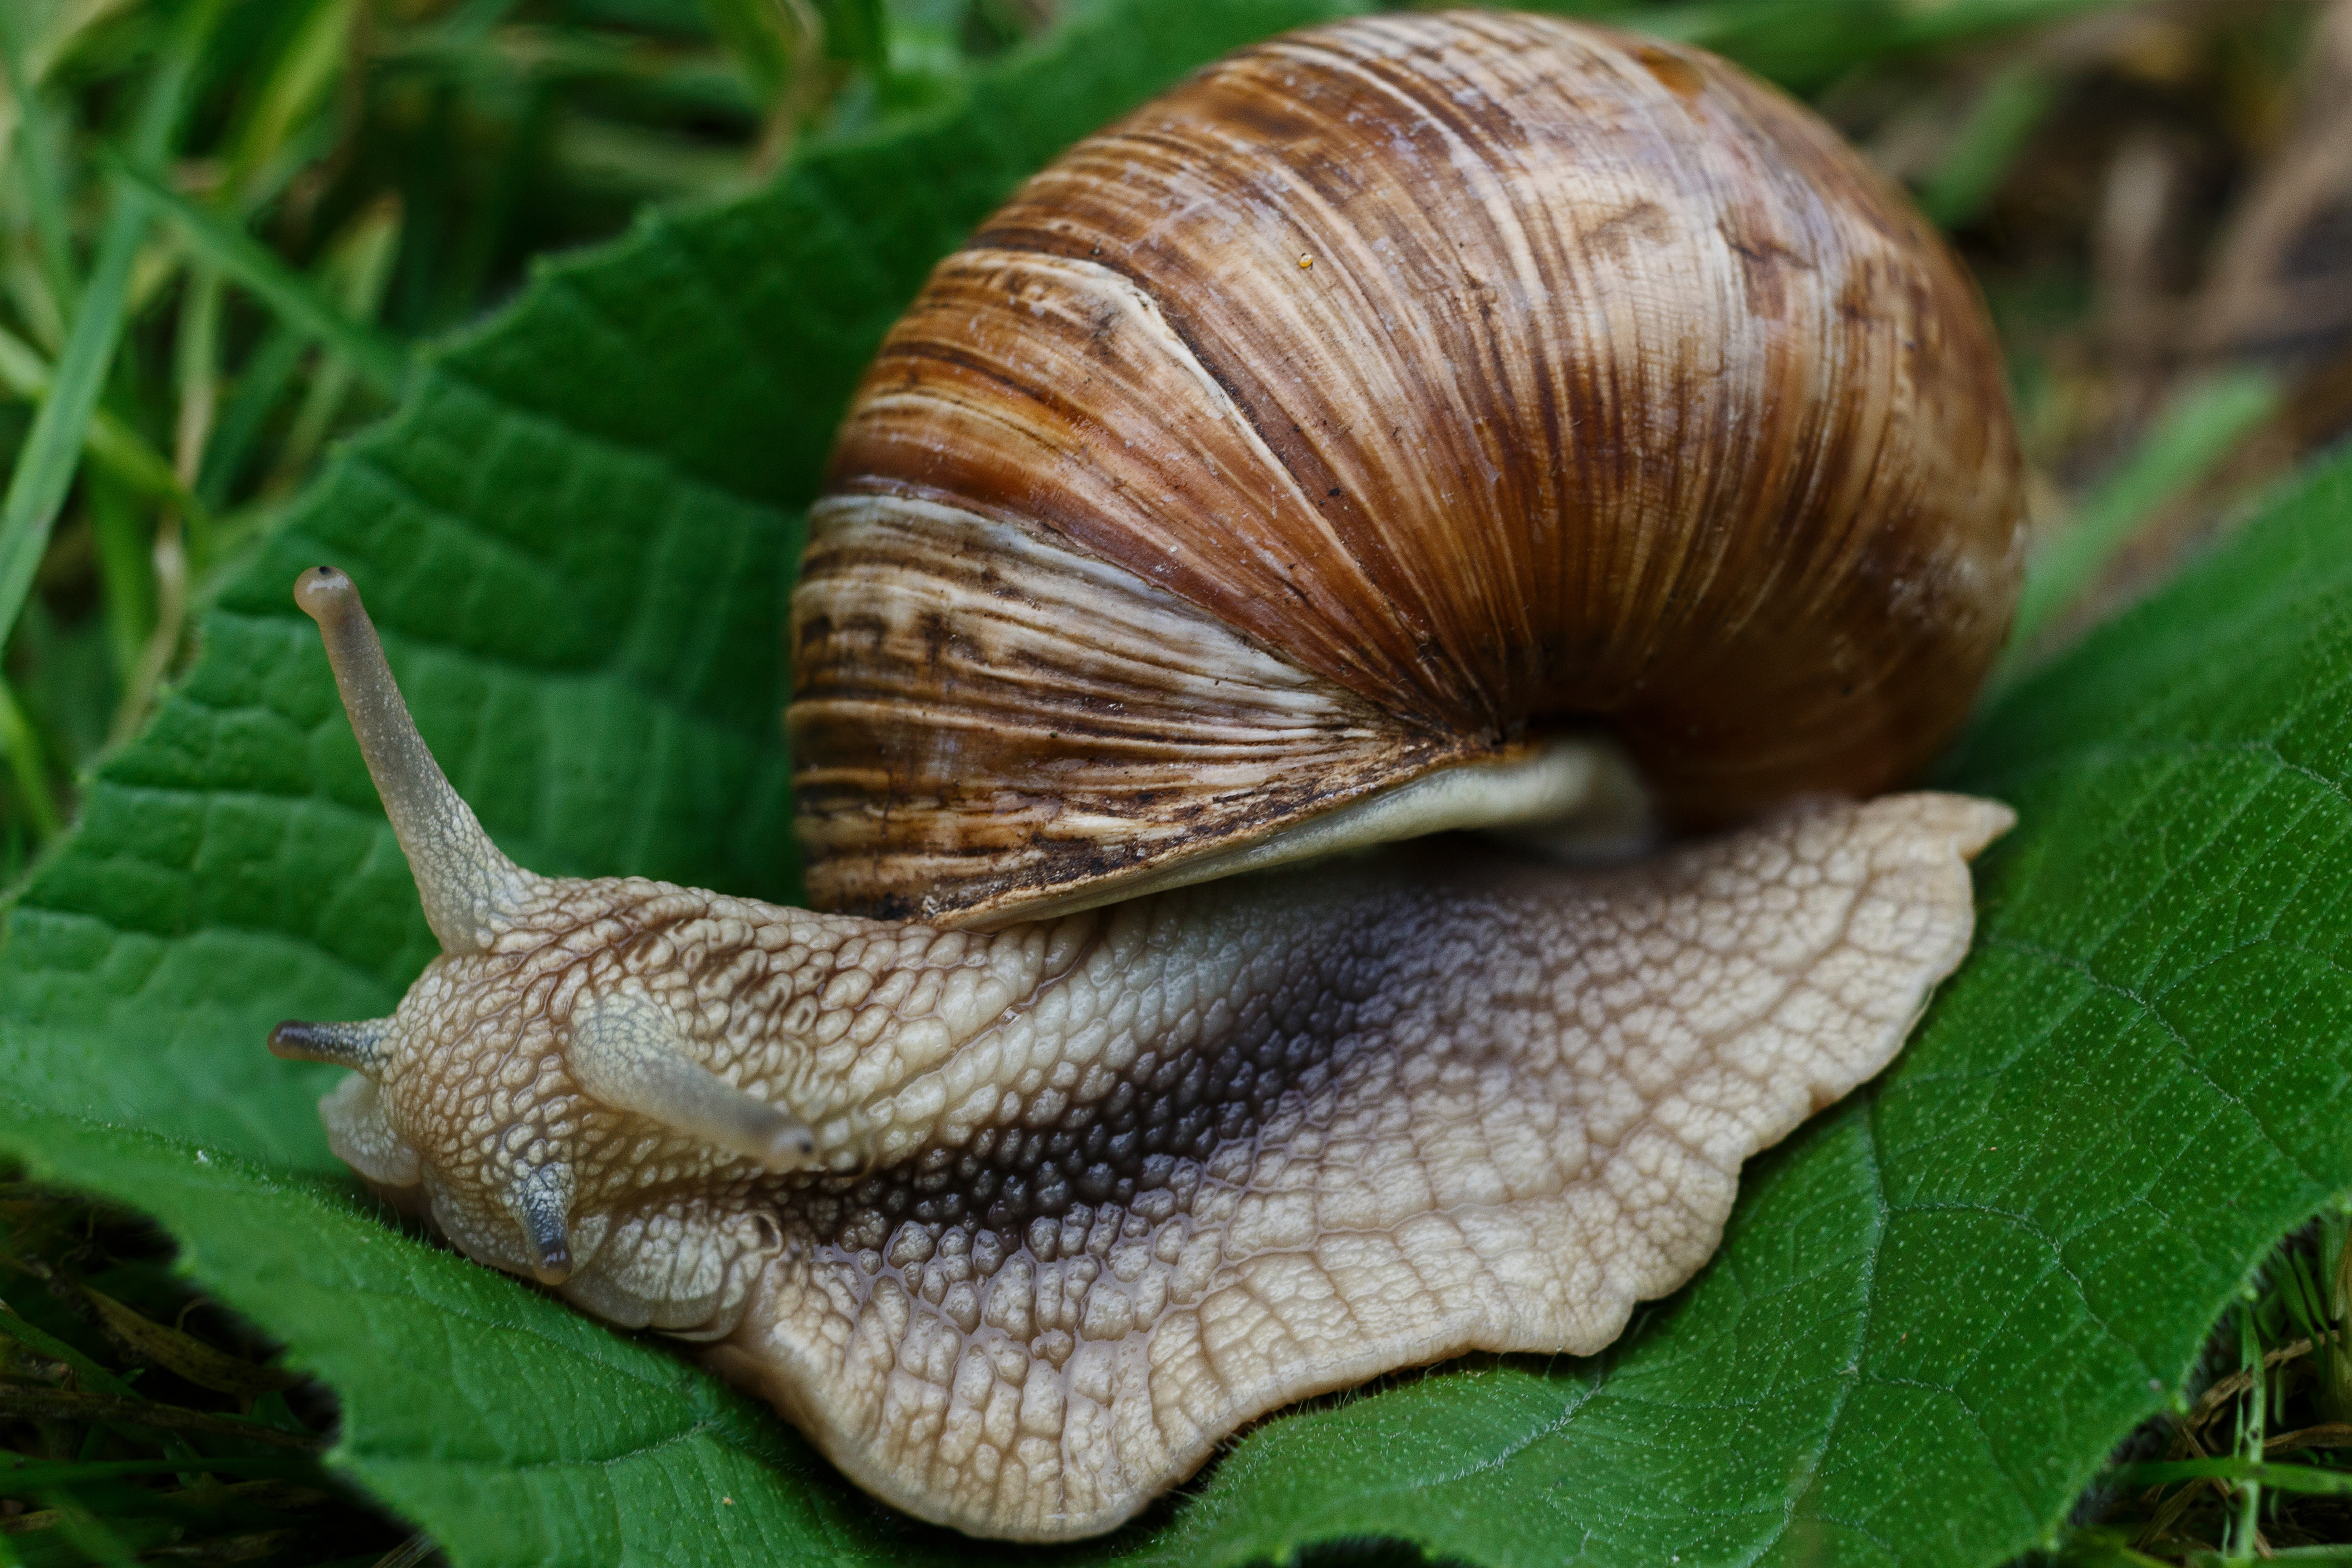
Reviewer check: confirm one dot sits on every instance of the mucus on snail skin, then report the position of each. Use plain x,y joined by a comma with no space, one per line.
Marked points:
1017,1225
1620,396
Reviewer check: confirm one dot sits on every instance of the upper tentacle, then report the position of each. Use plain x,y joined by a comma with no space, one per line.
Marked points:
469,887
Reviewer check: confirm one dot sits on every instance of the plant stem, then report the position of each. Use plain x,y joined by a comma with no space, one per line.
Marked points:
37,163
2335,1395
27,764
2245,1526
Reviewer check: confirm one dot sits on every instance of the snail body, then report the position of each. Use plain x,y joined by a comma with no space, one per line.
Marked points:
1602,392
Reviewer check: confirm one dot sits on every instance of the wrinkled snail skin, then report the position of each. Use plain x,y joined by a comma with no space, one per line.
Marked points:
1017,1225
1386,393
1267,1139
1338,450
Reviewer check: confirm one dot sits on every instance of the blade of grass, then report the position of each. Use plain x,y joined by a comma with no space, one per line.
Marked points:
2299,1289
22,1400
2011,107
22,1478
51,454
52,448
1934,26
534,55
261,386
1802,44
383,361
195,372
38,162
301,78
409,1553
2334,1394
2304,1479
26,765
2098,1549
359,263
632,161
777,47
473,19
755,39
487,225
2245,1530
89,1534
40,1341
125,454
180,532
858,31
2198,428
120,532
26,288
114,445
184,1354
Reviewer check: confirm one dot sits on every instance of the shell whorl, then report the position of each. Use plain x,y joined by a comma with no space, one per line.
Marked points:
1387,395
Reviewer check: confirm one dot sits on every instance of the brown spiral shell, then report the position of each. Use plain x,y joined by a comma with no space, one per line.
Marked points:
1386,395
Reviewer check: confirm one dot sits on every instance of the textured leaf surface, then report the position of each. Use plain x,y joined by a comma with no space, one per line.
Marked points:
1937,1308
524,1434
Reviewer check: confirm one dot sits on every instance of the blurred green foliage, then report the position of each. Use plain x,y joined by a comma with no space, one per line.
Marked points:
222,224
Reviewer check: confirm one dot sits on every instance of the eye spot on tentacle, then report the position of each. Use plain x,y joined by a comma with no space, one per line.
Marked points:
629,1053
542,1204
358,1045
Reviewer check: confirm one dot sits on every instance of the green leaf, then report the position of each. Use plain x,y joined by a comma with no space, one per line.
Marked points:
516,1430
1938,1307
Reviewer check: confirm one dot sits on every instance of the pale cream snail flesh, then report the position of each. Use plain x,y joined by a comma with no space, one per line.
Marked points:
1299,464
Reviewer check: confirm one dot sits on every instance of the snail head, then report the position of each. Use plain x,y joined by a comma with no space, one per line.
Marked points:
581,1065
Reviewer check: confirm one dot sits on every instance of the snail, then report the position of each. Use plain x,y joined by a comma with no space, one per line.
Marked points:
1420,422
